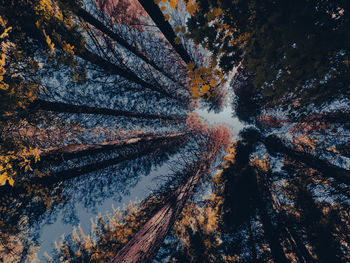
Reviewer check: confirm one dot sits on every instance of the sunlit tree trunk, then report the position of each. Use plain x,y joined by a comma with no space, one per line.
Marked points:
147,145
145,243
76,151
147,240
70,108
157,16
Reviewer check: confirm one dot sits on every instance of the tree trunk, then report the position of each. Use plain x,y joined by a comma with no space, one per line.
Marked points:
146,242
294,238
270,233
157,16
76,151
274,144
83,109
123,72
328,117
318,228
150,144
82,13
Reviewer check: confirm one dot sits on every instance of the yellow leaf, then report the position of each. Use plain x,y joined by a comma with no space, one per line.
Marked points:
166,17
5,33
205,88
3,86
213,83
190,66
49,42
3,179
11,181
191,8
177,40
2,61
173,4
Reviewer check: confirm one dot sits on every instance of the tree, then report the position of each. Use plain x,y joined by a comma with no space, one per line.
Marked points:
82,13
274,144
82,109
144,244
38,202
318,226
157,16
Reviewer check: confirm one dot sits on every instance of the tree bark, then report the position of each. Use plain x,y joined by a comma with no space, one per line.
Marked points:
157,16
145,243
70,108
294,238
318,228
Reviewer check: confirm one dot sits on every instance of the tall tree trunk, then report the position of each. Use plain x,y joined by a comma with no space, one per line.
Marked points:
148,144
76,151
157,16
328,117
146,242
270,232
82,13
274,144
123,72
294,238
318,229
70,108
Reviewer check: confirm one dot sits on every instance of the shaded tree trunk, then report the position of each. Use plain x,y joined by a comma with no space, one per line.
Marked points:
70,108
274,144
148,144
157,16
82,13
271,234
294,238
318,229
123,72
328,117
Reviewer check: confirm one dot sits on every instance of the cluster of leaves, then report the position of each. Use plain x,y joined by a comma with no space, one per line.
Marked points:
17,89
205,81
11,163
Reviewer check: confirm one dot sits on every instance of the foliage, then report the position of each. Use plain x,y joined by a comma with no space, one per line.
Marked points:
11,163
294,54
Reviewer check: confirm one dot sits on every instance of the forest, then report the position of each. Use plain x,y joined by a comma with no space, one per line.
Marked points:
178,131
